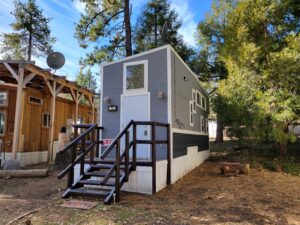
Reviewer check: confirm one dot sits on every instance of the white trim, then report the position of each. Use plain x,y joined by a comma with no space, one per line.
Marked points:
35,103
48,117
137,55
101,107
145,88
176,130
169,77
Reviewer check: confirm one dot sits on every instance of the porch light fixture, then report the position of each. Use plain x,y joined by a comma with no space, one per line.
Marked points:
106,99
160,94
185,78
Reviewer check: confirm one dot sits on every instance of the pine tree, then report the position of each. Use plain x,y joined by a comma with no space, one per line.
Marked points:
158,25
106,23
31,33
86,79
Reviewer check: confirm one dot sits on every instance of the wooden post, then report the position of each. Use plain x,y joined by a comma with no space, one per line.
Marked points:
52,117
92,153
117,180
153,153
76,108
168,156
82,150
134,148
127,156
18,114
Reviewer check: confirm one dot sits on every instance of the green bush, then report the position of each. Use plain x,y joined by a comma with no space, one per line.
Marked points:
270,165
291,167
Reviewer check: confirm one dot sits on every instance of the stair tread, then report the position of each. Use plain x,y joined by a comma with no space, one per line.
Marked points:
99,174
106,166
96,182
89,192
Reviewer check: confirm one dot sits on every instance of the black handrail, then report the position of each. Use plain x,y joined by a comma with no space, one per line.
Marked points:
79,138
110,147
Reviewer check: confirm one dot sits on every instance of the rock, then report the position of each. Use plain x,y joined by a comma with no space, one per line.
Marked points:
11,165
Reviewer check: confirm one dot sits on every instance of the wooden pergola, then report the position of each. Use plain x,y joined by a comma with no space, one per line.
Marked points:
25,74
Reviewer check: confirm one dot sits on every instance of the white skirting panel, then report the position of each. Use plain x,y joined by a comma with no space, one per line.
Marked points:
184,164
27,158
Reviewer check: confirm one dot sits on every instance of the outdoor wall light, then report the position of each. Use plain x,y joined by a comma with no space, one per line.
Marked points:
185,78
106,99
160,94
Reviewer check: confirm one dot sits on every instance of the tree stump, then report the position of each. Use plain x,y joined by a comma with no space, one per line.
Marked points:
234,169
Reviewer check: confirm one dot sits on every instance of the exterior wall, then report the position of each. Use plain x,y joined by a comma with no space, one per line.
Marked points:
183,82
113,87
34,137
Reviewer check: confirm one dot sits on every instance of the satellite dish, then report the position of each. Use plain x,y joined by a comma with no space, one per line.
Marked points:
55,60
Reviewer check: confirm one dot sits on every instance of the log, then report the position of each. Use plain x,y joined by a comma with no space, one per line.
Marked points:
234,169
24,173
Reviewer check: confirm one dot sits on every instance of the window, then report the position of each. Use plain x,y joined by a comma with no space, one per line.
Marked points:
135,76
3,98
46,120
2,123
203,102
80,120
206,125
191,113
35,100
194,100
202,124
198,99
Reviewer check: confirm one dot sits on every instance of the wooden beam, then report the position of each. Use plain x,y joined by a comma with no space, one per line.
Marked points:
28,79
12,72
52,122
59,89
8,85
76,108
73,95
49,87
18,112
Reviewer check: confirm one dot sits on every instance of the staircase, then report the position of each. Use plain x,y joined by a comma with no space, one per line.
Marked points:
100,177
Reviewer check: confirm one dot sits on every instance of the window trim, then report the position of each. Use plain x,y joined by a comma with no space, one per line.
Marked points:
203,97
34,103
49,114
191,114
134,63
202,124
198,94
194,96
7,99
5,122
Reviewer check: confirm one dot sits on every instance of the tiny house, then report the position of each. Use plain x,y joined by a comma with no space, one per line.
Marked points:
156,85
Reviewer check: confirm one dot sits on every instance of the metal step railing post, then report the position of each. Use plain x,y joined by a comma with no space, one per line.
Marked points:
126,156
72,158
153,153
134,148
117,180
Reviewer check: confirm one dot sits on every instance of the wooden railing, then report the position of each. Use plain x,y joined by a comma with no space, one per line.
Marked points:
92,133
133,144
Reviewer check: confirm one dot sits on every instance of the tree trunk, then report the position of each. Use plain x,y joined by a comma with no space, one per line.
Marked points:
155,29
127,29
29,52
24,173
219,136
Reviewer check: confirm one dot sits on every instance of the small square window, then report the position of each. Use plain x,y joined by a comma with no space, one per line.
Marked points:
191,106
35,100
194,100
135,77
203,102
198,99
2,123
3,98
46,120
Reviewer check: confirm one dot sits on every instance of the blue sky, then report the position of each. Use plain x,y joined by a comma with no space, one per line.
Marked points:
65,13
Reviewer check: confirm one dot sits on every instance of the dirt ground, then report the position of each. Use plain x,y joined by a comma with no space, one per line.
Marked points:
201,197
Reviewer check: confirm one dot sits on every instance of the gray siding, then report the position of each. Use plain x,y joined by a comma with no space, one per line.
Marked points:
182,94
157,80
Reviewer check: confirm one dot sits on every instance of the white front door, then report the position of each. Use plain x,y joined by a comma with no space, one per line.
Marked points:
136,107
